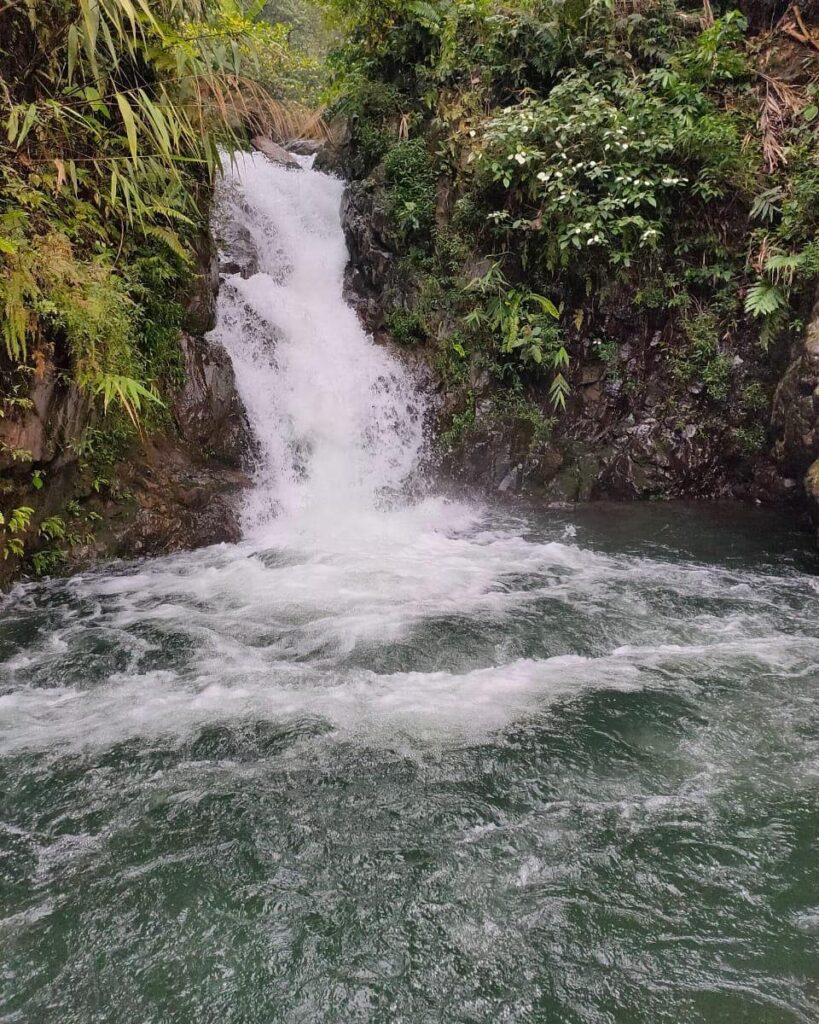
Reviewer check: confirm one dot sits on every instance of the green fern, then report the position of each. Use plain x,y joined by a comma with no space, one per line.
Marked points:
427,14
782,267
766,205
764,299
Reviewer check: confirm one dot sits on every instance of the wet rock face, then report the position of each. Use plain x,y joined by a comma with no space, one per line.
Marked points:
208,411
371,272
796,416
200,304
185,484
178,503
796,403
626,462
56,414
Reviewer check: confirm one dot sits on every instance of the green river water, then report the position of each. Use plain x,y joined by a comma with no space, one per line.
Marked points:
552,767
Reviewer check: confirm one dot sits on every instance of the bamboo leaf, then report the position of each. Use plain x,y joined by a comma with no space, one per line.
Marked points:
73,50
89,10
13,126
128,391
129,121
28,123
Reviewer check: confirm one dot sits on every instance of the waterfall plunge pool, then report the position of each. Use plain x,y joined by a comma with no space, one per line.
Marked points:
407,763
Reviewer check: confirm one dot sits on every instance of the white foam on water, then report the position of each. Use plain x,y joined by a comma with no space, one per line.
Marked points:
230,681
373,707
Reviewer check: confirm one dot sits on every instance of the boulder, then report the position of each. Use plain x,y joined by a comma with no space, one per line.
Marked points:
305,147
273,151
811,486
795,415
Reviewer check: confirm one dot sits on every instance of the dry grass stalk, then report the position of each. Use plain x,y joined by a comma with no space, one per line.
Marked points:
623,8
757,260
779,102
793,25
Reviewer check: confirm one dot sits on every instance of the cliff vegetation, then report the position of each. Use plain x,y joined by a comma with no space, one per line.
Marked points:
114,116
597,221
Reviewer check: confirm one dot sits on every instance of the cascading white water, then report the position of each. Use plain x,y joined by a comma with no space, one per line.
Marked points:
339,422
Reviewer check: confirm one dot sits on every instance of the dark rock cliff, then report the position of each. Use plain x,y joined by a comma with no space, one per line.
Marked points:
795,416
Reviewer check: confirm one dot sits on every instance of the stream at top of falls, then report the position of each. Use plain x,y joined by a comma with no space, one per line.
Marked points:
401,758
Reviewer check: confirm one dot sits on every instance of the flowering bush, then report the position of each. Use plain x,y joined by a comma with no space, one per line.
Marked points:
597,166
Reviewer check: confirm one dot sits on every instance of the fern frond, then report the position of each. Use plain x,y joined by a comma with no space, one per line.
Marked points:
764,299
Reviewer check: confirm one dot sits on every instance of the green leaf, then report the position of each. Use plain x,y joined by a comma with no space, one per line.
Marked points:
129,121
765,206
128,391
13,124
73,50
763,299
782,267
810,112
170,239
546,305
90,28
28,121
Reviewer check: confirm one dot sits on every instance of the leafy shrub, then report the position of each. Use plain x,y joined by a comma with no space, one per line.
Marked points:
595,169
411,188
405,326
702,362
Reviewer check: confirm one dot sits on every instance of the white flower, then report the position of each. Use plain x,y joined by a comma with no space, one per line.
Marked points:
542,176
520,157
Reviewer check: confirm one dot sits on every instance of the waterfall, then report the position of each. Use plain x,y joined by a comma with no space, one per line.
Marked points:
339,422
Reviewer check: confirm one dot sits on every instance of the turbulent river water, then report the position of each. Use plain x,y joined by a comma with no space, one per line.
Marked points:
407,759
